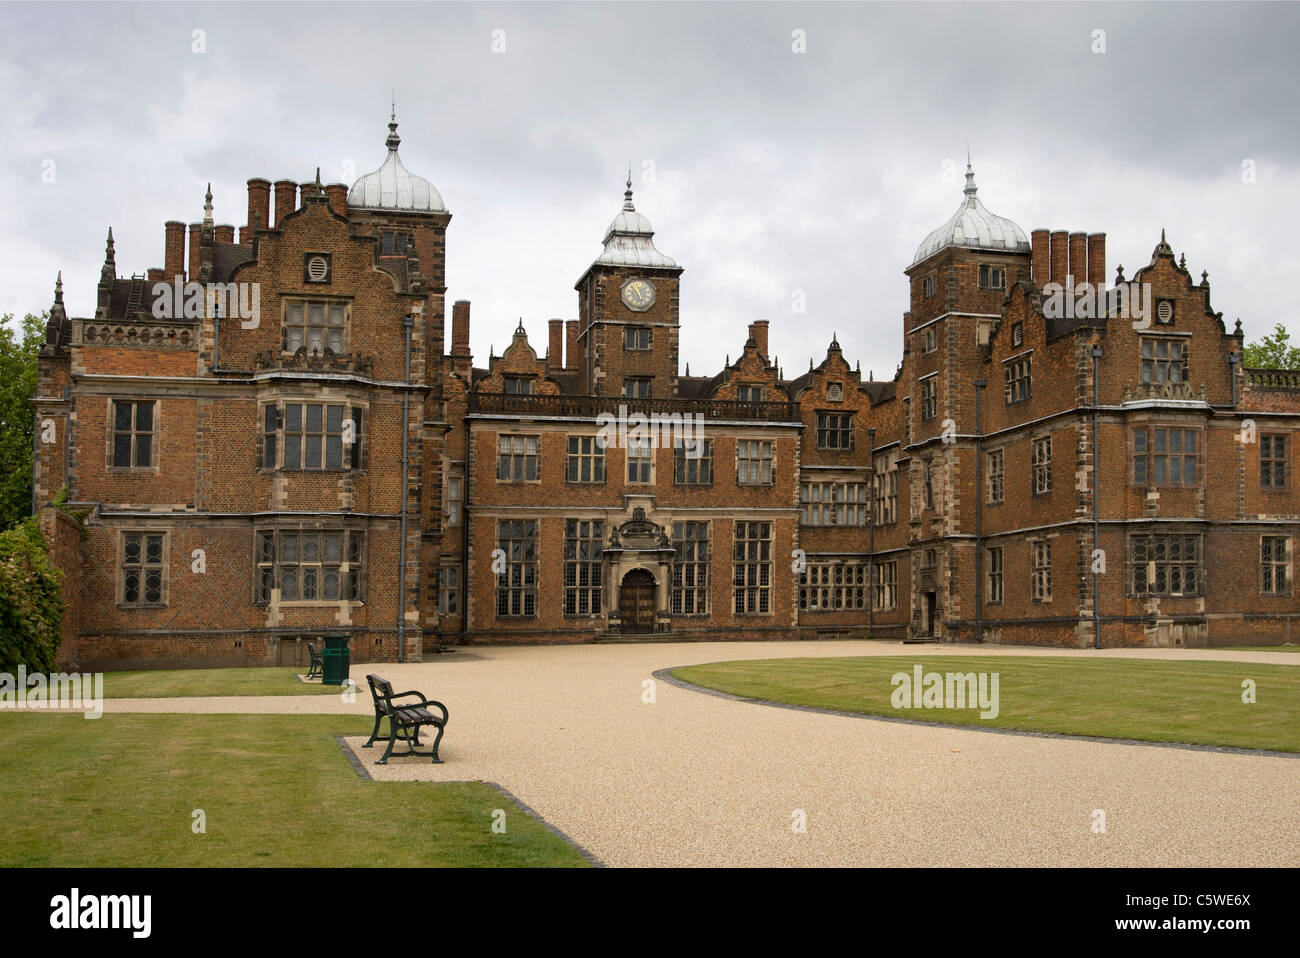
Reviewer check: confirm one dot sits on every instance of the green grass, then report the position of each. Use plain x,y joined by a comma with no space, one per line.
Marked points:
167,683
1157,701
120,791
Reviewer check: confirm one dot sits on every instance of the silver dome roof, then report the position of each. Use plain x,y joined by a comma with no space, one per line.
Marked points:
393,186
629,239
973,227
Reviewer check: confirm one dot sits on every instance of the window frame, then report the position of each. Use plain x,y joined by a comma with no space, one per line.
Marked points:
844,433
1148,454
580,534
523,457
758,461
593,458
1040,466
1147,542
351,581
142,568
1268,441
134,433
695,567
526,590
751,577
326,325
1040,570
682,463
632,336
1269,565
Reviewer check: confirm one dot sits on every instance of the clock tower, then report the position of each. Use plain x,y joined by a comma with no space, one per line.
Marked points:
628,313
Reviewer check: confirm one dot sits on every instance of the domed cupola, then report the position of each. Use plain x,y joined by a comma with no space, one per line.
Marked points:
629,241
973,227
393,187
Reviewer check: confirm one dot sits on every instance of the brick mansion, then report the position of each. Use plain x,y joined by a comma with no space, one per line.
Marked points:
281,433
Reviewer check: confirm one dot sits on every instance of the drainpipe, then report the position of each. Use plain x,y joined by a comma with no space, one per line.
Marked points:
1096,499
408,321
979,509
1233,359
871,531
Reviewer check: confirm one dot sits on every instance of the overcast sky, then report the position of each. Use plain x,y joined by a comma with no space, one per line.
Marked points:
763,170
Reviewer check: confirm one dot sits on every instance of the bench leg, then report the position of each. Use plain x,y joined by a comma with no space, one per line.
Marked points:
374,734
436,759
392,739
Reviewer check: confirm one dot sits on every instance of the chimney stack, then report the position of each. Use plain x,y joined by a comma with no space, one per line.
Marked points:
338,194
173,249
1060,250
1079,258
1040,257
196,233
225,233
286,199
1097,260
555,346
259,208
461,360
758,333
571,345
157,275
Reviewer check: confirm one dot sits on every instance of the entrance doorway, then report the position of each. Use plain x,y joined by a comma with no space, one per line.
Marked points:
636,601
927,611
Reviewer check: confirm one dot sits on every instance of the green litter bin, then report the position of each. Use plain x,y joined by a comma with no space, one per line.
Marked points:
337,660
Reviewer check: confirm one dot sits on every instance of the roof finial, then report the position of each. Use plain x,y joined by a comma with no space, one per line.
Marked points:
627,196
970,180
58,288
393,139
207,207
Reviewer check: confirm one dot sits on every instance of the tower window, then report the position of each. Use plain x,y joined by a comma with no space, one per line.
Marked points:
637,338
392,244
993,277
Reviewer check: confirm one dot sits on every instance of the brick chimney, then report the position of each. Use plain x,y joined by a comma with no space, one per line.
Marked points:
1060,265
338,194
1079,257
196,233
156,274
555,346
1097,260
224,233
758,333
461,360
1040,257
173,248
286,199
259,208
571,345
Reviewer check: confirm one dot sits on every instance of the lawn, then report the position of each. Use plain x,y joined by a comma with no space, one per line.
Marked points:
1156,701
120,791
167,683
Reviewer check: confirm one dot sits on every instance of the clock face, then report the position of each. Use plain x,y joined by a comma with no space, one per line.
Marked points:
638,295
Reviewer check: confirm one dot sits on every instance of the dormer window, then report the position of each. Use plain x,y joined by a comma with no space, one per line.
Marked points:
749,393
993,277
518,385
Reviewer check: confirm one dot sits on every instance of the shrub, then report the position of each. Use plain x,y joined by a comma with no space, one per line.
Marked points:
31,602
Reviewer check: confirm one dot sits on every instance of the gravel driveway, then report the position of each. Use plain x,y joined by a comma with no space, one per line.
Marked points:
695,779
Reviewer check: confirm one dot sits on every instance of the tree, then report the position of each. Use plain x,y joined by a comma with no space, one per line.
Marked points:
17,419
31,602
1272,352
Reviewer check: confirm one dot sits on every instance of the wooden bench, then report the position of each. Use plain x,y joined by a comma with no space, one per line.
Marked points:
317,661
405,719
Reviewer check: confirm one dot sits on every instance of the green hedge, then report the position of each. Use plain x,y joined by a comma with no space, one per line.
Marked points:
31,602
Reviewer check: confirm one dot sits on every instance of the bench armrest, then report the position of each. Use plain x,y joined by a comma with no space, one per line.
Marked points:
423,702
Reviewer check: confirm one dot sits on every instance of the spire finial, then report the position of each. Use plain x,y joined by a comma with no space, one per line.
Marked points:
970,180
393,140
58,288
627,196
207,206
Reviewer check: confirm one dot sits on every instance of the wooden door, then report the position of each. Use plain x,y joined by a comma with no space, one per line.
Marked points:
636,601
